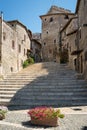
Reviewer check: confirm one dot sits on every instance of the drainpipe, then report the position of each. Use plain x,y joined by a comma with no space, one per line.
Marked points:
1,42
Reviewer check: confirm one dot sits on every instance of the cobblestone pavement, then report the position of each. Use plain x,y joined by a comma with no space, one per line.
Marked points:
75,119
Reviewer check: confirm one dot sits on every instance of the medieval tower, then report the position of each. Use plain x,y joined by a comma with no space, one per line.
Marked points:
52,22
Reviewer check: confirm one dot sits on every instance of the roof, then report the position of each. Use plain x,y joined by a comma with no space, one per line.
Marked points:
54,10
77,6
18,22
36,41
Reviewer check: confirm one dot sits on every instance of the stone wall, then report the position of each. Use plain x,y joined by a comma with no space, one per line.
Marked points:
15,42
51,24
82,36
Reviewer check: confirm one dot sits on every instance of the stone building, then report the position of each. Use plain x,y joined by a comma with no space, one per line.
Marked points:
81,11
14,45
51,24
36,47
68,41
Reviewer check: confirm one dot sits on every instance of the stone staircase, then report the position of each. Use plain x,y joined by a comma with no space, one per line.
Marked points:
43,84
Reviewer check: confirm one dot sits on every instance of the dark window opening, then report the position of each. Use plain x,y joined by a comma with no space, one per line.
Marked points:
4,36
50,51
44,43
70,48
45,19
19,48
67,45
55,41
13,44
66,17
11,69
51,19
80,33
24,37
47,32
24,52
86,56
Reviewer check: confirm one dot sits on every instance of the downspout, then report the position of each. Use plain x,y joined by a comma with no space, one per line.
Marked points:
1,43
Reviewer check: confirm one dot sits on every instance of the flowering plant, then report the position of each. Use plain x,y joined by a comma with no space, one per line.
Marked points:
3,111
44,112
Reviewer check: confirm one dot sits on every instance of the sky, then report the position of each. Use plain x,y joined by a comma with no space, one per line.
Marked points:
28,11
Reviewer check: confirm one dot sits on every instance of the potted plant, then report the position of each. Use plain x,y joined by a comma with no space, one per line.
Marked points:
47,116
3,111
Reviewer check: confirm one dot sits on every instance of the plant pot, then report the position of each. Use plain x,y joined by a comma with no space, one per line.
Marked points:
45,121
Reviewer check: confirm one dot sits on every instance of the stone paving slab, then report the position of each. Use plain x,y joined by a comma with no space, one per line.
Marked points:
75,119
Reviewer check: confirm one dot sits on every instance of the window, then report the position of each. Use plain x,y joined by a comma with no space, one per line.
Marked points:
13,44
50,51
4,36
55,41
70,48
66,17
24,37
67,45
11,69
80,33
47,32
0,57
84,2
86,56
45,19
51,19
24,52
44,43
19,48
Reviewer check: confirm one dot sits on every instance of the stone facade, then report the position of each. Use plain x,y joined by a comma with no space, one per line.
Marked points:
14,43
51,24
68,41
36,50
36,47
81,11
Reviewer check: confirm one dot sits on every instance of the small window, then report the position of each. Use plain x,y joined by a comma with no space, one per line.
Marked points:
86,56
55,41
24,52
11,69
51,19
84,2
66,17
80,33
47,32
70,48
24,37
45,19
50,51
13,44
44,43
19,48
0,58
4,36
67,45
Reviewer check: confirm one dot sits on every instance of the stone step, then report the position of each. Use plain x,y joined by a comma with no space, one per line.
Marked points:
9,88
41,80
6,92
6,96
4,102
43,84
51,102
